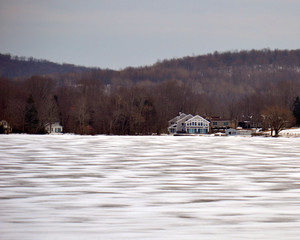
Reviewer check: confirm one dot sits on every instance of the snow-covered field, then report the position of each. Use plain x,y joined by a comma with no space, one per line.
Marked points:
150,187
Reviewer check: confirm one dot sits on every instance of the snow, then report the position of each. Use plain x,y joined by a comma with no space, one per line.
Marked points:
149,187
293,132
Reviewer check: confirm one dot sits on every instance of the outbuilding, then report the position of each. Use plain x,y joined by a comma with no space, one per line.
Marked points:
54,128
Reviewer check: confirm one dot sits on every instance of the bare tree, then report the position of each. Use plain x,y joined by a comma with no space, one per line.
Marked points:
81,115
49,113
16,114
278,118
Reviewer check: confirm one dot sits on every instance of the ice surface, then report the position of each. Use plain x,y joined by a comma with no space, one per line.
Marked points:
149,187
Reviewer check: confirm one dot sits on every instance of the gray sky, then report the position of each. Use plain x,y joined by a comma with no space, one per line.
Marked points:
120,33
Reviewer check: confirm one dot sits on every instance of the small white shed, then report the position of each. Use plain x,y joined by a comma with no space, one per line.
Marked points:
54,128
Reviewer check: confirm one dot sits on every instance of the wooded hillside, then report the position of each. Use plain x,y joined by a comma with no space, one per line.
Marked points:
236,85
21,67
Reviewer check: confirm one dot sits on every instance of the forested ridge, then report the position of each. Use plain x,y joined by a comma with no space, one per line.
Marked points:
235,85
22,67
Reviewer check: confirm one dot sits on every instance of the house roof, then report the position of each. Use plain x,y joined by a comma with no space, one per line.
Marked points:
175,119
197,117
173,126
185,118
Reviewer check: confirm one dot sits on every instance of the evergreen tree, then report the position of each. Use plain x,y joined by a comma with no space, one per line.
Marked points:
31,117
296,110
2,130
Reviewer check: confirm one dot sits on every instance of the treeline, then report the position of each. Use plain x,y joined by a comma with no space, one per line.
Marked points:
234,85
91,107
22,67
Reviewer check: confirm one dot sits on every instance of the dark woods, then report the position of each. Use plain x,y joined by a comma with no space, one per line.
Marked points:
242,86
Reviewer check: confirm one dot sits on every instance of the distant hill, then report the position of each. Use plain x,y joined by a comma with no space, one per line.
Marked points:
21,67
216,74
240,66
220,75
231,66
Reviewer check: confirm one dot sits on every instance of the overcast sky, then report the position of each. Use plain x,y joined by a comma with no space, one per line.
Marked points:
120,33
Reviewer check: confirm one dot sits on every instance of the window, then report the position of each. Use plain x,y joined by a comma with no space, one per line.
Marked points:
215,123
225,123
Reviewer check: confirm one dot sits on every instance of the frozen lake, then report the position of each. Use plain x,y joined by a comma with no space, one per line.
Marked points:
150,187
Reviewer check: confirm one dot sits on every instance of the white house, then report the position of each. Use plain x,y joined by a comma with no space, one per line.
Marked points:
53,128
180,126
176,124
188,124
197,125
